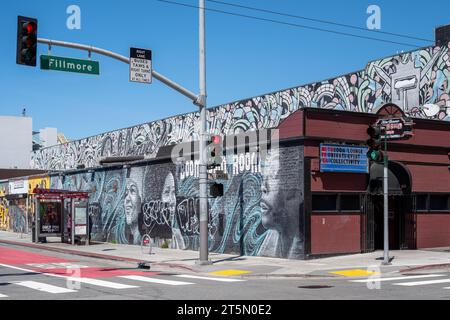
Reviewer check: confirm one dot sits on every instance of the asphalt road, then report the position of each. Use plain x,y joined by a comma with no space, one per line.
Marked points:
36,274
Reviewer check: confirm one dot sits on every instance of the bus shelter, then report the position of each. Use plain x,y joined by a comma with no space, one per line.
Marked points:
61,213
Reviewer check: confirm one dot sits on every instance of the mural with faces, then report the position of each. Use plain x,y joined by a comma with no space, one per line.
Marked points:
106,197
259,213
282,204
132,204
162,208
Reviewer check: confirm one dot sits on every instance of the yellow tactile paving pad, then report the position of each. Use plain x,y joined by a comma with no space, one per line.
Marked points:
230,272
355,273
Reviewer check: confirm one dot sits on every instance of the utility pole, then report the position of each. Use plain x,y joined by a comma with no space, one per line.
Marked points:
203,178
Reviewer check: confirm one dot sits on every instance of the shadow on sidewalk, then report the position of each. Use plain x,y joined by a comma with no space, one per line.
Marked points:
236,258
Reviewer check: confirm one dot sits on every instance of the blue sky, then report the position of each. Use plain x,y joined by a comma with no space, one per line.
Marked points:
245,57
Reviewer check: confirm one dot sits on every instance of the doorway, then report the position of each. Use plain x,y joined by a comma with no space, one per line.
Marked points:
402,219
395,213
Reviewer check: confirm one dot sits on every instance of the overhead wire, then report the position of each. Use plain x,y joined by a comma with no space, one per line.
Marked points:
319,20
291,24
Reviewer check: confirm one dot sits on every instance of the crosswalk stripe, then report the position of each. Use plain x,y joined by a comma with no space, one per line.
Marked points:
94,282
399,278
43,287
422,283
3,296
101,283
207,278
155,280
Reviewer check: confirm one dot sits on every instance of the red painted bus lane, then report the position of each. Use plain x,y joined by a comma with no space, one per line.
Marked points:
34,261
19,257
96,272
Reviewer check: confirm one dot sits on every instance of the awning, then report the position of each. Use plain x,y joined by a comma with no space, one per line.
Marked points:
54,193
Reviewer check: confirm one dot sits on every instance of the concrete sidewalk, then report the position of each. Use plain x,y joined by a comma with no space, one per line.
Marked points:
242,266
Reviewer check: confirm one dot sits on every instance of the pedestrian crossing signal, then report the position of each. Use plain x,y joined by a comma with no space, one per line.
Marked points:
215,152
216,190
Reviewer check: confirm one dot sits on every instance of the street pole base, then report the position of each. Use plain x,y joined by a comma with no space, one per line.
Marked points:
203,263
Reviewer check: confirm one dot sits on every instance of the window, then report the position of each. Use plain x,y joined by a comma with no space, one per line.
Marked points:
349,202
324,202
439,202
421,202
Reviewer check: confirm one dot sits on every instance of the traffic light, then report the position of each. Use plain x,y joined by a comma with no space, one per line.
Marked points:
374,143
216,190
215,152
27,41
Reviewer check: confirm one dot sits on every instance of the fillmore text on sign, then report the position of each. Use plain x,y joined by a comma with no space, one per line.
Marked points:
69,65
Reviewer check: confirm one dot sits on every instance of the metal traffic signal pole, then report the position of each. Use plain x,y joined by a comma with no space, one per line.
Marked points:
203,179
386,203
199,100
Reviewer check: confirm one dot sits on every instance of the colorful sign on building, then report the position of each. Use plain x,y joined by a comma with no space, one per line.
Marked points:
38,182
343,158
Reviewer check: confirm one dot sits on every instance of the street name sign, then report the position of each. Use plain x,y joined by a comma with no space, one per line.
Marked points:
70,65
140,65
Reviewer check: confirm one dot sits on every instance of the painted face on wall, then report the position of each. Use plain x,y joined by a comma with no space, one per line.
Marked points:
168,195
132,202
271,198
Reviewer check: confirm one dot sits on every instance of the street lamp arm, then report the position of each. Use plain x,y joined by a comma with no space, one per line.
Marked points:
195,98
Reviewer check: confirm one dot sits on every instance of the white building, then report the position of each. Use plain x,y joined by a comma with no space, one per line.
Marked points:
16,135
16,141
48,137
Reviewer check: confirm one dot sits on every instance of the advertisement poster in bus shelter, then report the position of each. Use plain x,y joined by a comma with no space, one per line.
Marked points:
80,220
50,217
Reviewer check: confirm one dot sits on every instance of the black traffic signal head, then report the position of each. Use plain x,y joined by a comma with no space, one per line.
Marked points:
216,190
374,144
375,137
26,41
215,151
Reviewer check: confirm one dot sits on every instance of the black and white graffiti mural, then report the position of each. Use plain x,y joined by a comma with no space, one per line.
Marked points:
417,81
260,213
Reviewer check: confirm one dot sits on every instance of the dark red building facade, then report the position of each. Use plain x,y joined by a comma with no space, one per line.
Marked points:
342,214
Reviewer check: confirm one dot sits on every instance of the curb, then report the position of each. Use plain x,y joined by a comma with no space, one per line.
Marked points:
286,275
93,255
425,267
